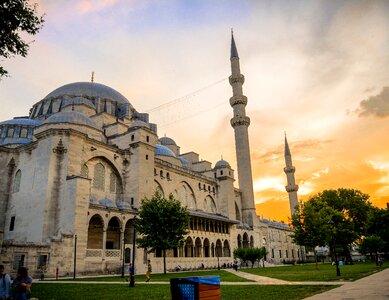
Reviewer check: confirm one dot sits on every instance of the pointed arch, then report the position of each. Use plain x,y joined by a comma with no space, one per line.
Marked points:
210,205
17,180
113,233
245,240
226,249
158,187
198,247
84,171
186,195
239,241
99,176
188,250
206,247
219,248
95,232
251,241
237,213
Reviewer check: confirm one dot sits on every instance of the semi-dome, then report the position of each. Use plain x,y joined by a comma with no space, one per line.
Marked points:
123,205
138,123
18,131
184,161
167,141
107,202
222,164
22,121
90,89
161,150
72,117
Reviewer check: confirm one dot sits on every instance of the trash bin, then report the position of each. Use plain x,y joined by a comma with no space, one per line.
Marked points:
195,288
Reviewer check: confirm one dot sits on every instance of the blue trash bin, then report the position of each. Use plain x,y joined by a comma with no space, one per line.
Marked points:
195,288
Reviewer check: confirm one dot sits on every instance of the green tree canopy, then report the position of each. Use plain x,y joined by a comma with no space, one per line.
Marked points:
332,217
250,254
16,17
162,224
378,226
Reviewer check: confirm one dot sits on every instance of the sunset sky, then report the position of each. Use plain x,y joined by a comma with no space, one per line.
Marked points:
318,70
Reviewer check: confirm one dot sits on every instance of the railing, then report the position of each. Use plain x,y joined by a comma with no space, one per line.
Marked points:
94,253
111,253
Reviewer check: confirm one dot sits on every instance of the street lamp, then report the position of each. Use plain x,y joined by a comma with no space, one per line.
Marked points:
331,223
123,252
132,274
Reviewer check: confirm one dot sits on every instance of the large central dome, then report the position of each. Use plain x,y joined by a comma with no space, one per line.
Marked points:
95,96
89,89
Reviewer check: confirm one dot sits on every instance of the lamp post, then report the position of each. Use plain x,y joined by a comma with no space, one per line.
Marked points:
123,250
331,223
75,256
132,275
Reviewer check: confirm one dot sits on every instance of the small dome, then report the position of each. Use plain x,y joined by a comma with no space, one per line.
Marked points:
21,121
72,117
93,200
138,123
167,141
123,205
222,164
106,202
161,150
184,161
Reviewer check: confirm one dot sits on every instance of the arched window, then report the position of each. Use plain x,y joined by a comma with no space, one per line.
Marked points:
112,182
23,133
99,177
84,171
18,177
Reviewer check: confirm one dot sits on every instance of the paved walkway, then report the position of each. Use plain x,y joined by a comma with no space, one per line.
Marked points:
374,287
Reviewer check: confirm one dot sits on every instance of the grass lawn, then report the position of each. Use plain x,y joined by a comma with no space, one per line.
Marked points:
325,272
58,291
224,276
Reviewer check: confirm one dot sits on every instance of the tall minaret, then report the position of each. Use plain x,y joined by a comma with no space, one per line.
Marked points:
240,122
289,170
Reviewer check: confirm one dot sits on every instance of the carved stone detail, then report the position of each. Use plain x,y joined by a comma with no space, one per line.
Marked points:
238,121
60,149
236,79
289,169
292,188
238,100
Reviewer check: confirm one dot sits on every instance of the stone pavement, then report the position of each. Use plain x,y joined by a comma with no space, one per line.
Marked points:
374,287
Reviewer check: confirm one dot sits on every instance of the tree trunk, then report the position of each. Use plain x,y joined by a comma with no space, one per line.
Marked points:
349,259
314,252
164,261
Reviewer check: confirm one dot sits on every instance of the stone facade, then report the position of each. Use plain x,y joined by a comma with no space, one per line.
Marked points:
73,173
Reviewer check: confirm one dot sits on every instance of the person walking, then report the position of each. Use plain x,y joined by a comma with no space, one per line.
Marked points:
5,283
149,270
22,284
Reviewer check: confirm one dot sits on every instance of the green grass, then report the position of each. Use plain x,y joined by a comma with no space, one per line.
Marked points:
59,291
325,272
224,276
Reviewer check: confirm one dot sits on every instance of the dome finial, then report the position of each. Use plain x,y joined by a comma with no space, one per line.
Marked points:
92,77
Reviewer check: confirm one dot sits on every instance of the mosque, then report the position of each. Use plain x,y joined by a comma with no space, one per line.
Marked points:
73,173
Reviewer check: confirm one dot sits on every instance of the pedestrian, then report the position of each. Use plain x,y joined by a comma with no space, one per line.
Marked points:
149,270
130,271
380,260
22,285
235,265
5,283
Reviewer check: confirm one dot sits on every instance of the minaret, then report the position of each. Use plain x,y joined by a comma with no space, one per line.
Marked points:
289,170
240,122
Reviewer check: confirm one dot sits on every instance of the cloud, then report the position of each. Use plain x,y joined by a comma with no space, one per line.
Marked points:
377,105
299,149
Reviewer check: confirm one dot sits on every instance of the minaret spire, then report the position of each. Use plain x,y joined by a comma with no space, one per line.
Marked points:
289,170
240,122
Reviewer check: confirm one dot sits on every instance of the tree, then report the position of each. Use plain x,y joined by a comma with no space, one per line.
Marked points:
250,254
162,224
333,218
16,17
372,244
378,225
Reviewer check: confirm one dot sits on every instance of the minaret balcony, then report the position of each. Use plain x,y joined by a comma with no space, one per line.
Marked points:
289,169
239,121
292,188
236,79
238,100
